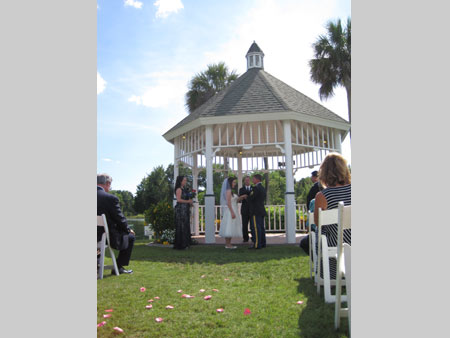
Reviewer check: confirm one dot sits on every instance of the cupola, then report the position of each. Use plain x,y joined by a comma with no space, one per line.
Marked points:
255,57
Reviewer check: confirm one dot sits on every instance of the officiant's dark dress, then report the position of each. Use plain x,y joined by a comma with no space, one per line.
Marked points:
182,222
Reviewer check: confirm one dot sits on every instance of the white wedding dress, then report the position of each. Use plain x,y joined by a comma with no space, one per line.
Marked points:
230,227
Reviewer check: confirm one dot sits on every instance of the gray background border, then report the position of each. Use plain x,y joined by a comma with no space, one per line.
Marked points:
48,146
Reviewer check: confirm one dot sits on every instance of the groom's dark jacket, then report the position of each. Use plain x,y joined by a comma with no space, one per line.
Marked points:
257,199
109,205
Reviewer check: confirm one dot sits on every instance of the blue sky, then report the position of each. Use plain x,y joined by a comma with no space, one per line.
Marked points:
147,51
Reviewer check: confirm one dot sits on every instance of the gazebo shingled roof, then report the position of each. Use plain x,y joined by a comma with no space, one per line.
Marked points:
258,92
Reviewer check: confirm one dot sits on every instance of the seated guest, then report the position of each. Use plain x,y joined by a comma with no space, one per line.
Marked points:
121,236
304,242
335,177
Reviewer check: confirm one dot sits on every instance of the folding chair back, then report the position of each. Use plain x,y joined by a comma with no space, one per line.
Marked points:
102,245
312,253
348,280
344,222
324,253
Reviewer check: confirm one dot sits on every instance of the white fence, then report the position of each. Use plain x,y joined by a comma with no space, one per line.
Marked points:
274,222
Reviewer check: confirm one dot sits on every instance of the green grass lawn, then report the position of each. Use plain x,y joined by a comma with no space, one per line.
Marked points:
269,282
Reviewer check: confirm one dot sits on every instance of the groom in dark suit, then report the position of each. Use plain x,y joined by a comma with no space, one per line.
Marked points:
245,207
257,199
121,236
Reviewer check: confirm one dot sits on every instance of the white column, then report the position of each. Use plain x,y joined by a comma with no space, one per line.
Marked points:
175,167
210,235
239,163
195,186
289,210
338,141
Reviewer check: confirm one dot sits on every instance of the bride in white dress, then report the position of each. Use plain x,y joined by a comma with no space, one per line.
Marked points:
230,225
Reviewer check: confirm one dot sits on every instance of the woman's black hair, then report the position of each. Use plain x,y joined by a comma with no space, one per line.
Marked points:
178,182
230,181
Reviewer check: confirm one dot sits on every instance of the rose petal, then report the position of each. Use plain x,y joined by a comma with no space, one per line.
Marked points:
179,291
202,276
300,302
247,311
109,310
118,329
101,324
159,319
156,297
226,279
202,290
149,306
150,300
207,297
215,290
219,310
169,307
142,289
107,316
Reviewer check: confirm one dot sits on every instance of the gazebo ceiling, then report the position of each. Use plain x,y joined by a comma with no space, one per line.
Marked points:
258,96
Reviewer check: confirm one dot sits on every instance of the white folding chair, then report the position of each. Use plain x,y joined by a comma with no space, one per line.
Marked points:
312,252
326,217
348,280
102,245
344,222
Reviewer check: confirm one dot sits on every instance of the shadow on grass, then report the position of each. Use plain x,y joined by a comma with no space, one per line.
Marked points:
317,318
215,254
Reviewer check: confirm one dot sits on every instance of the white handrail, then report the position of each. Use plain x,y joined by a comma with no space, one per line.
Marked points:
274,223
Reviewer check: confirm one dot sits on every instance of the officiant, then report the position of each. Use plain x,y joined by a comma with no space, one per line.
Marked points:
245,208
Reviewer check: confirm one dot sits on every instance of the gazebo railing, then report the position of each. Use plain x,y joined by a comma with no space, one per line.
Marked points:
274,221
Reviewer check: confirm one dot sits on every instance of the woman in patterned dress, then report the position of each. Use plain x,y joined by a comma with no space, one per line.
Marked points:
182,215
335,177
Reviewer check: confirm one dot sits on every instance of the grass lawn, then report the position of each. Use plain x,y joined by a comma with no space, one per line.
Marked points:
269,282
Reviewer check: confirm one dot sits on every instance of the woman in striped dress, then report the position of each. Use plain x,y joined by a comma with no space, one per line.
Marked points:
335,176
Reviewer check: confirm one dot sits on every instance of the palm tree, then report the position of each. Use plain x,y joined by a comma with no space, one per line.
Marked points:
206,84
331,66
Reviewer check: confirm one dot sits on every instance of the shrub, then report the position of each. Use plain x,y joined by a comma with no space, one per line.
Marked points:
160,217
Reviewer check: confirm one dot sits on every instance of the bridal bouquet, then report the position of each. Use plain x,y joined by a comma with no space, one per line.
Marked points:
192,193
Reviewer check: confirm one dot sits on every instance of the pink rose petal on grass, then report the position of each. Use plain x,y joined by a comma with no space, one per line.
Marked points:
247,311
156,297
226,279
118,329
207,297
180,291
300,302
219,310
149,306
159,319
186,296
109,310
169,307
202,290
101,324
202,276
142,289
215,290
150,300
107,316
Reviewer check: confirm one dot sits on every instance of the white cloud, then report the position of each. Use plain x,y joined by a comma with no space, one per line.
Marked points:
133,3
101,83
166,7
167,89
136,99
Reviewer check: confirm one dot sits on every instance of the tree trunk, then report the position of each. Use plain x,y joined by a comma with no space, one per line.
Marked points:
348,88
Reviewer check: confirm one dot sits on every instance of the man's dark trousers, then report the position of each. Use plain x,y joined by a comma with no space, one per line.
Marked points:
245,220
124,255
258,231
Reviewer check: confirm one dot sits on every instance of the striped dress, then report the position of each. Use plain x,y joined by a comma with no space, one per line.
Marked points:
334,195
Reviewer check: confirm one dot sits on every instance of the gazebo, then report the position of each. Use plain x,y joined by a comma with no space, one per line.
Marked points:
257,123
